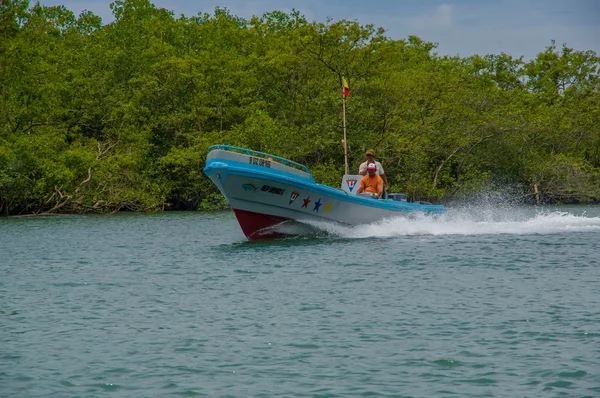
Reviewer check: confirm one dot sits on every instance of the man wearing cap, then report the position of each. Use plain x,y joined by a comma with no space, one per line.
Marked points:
371,183
362,170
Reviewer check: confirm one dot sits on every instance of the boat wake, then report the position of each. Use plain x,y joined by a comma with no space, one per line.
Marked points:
470,221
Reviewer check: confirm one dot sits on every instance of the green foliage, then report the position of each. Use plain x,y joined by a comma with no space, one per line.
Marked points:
119,117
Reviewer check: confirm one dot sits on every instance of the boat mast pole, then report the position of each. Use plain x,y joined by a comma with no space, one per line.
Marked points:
344,117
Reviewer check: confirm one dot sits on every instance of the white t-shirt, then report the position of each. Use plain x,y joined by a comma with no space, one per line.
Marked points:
363,168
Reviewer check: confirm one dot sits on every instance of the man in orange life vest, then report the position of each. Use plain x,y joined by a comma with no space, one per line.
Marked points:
362,170
371,183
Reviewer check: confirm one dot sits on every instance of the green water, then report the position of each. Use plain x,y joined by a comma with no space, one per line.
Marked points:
477,303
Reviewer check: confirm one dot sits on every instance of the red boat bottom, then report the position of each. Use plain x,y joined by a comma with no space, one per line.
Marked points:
253,224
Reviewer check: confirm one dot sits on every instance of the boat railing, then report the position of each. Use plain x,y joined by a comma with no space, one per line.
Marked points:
250,152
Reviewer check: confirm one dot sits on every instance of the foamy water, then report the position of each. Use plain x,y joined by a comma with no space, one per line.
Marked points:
471,221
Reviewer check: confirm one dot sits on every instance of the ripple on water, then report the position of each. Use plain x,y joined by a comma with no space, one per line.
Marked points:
172,305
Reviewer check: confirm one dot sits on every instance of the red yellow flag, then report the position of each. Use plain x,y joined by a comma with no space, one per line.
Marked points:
345,88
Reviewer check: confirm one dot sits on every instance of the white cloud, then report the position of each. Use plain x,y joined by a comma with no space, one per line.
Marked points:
440,17
443,15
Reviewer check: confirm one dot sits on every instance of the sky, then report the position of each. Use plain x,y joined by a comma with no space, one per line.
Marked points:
459,27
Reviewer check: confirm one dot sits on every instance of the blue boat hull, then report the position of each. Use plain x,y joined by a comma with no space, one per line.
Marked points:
265,191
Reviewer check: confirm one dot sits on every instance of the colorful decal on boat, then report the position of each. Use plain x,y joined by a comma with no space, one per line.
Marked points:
317,205
250,187
327,207
351,183
306,202
293,197
259,162
273,190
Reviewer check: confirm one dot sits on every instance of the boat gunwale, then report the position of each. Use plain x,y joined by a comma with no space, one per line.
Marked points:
251,152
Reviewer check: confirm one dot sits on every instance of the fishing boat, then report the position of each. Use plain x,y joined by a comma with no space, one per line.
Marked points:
266,191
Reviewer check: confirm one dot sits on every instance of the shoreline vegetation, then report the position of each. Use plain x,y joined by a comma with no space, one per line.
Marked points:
118,117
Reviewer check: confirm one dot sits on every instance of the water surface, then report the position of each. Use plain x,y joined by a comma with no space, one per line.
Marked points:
476,303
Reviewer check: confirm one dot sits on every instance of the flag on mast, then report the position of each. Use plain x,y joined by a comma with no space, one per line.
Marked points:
345,88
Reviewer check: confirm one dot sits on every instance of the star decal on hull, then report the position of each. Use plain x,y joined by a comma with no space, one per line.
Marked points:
306,202
317,205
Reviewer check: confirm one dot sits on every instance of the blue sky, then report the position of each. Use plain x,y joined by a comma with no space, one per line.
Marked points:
460,27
